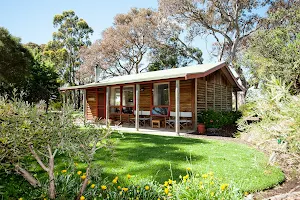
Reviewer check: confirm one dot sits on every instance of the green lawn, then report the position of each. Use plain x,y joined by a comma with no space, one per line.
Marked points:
146,156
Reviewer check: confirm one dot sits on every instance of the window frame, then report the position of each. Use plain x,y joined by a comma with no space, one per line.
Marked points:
161,106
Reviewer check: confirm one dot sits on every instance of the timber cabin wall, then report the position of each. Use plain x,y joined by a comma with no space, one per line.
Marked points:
214,92
91,104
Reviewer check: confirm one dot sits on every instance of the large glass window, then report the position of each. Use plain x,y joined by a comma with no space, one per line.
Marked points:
161,94
161,99
115,99
127,100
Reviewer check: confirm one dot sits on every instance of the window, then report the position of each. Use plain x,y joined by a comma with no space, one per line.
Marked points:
115,97
161,94
115,100
161,99
127,100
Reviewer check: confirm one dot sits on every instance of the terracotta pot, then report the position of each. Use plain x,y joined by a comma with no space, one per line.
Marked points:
201,128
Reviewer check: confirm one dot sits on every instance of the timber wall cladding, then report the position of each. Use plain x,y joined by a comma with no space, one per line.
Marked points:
186,91
145,97
214,92
91,104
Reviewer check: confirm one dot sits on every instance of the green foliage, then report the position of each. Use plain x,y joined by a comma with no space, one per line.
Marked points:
72,34
15,61
218,119
280,116
175,53
28,134
274,51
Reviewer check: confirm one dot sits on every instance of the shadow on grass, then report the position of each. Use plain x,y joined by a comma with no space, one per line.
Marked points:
147,155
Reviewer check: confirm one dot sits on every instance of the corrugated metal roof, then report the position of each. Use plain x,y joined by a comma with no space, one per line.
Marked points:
152,76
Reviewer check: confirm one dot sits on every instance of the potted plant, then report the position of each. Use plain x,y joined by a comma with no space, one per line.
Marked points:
201,124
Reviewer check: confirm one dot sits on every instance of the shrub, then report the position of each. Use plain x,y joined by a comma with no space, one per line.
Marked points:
218,119
278,130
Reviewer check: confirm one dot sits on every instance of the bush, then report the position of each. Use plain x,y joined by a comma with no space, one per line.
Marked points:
191,186
218,119
278,130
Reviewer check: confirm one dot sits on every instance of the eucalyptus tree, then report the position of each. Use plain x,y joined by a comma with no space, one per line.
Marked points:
72,33
230,23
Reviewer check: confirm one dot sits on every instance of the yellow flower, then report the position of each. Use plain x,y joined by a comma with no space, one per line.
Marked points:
103,187
204,176
125,189
188,169
119,187
115,181
93,186
166,190
224,186
63,171
147,187
166,183
201,183
158,199
170,181
128,176
212,194
76,164
83,177
246,193
21,198
82,198
186,176
211,183
120,193
117,178
79,173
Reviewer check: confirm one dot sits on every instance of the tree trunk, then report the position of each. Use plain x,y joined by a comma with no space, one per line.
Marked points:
84,185
27,176
51,176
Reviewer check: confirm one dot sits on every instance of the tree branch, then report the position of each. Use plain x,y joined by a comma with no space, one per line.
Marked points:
38,159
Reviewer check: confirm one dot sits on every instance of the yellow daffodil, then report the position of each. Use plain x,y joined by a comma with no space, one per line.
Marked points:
115,181
93,186
125,189
224,186
128,176
82,198
147,187
121,193
21,198
64,171
170,181
246,193
188,169
166,190
79,173
103,187
83,177
166,183
117,178
204,175
119,187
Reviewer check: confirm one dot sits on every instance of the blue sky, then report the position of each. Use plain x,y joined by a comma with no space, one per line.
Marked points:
32,19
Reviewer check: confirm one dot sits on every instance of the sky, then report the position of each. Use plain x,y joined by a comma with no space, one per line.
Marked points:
31,20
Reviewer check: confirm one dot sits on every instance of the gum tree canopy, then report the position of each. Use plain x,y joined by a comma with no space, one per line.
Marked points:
229,22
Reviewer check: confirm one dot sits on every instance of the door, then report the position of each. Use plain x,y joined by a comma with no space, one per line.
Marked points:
101,103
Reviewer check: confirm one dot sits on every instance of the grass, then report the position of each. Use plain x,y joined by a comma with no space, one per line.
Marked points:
150,156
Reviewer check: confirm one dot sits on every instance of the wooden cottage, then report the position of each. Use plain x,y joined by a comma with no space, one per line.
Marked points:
171,97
